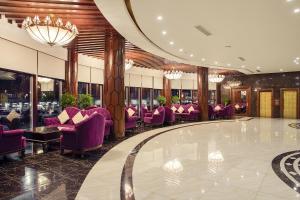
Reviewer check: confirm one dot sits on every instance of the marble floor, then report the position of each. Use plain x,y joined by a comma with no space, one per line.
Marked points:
247,159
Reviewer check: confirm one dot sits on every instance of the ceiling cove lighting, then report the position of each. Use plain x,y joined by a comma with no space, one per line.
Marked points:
128,64
215,78
173,74
51,30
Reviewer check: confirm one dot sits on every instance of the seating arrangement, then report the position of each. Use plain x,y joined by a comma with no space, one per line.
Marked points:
12,141
170,116
131,117
84,136
189,112
156,118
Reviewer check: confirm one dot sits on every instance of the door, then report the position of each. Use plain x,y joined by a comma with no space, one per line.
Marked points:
241,100
265,104
289,105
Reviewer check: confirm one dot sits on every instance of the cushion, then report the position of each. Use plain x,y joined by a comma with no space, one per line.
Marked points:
156,112
191,109
12,115
63,117
180,109
130,112
174,108
77,118
218,108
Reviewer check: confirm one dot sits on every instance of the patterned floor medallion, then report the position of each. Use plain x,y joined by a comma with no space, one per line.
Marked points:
295,125
287,168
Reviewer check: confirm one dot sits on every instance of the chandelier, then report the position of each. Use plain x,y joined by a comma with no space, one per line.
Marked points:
51,30
231,84
215,78
128,64
173,74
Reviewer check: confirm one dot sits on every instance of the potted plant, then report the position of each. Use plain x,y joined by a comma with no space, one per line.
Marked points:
84,101
162,100
67,100
175,99
226,100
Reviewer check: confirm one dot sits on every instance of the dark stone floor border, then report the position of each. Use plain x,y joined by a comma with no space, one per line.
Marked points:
126,189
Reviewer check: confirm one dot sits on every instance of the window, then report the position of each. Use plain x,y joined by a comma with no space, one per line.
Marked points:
195,96
212,100
156,93
134,97
146,97
83,88
15,95
49,93
97,90
186,96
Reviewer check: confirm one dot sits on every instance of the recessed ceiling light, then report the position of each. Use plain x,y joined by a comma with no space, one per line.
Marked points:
216,62
258,67
180,50
297,58
289,0
203,59
164,32
297,10
171,43
281,70
192,55
243,66
159,18
229,65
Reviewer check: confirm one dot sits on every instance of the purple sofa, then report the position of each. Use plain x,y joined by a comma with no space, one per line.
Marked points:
84,136
170,116
186,115
72,111
130,121
155,119
12,141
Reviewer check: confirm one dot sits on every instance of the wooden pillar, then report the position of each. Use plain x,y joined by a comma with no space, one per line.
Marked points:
202,79
218,95
167,91
34,96
71,75
114,89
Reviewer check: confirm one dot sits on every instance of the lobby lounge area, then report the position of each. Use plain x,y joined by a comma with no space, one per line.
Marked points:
149,100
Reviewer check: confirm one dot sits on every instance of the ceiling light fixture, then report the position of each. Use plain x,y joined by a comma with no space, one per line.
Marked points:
180,50
51,30
203,59
159,18
215,78
297,61
192,55
128,64
173,74
228,65
297,10
171,43
164,32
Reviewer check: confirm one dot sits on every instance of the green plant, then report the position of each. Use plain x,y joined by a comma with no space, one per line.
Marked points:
85,100
162,100
175,99
67,99
226,100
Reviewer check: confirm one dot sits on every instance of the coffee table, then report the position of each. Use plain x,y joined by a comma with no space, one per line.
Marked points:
43,135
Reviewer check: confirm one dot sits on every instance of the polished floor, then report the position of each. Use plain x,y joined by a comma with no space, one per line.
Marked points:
236,159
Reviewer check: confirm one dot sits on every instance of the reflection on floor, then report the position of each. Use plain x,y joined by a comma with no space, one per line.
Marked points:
229,160
50,175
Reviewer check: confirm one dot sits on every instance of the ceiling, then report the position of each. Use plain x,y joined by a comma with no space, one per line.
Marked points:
250,36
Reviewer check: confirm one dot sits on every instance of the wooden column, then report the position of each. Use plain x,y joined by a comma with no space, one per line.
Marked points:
71,75
202,79
34,96
114,89
167,91
218,95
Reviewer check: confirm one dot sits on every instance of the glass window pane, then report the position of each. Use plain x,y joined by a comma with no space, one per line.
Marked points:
146,97
156,93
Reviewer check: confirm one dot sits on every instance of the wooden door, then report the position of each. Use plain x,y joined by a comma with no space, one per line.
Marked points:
265,104
289,103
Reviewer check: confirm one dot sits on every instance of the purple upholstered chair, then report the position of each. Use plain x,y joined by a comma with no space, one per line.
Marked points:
155,119
108,120
91,107
219,111
12,141
84,136
130,121
228,111
144,112
170,116
53,121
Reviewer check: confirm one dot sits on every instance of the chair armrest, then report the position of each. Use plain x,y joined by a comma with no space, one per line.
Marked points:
66,130
195,112
13,133
148,115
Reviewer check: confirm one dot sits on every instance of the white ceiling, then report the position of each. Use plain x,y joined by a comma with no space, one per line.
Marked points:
264,32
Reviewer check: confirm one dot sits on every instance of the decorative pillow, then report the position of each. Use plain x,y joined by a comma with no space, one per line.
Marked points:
63,117
12,115
130,112
191,109
77,118
174,108
180,109
156,112
218,108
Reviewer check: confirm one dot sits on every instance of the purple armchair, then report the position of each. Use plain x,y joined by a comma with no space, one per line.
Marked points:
12,141
170,116
155,119
228,111
53,121
107,117
144,112
130,121
84,136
